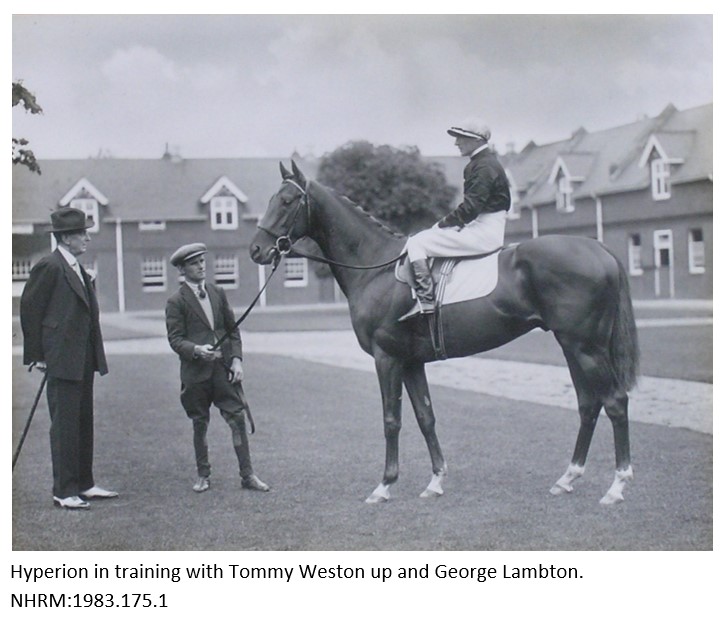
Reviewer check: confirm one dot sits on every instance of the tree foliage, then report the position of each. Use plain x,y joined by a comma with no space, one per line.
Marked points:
22,155
395,185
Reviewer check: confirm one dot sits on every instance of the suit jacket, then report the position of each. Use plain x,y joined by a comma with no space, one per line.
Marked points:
58,316
188,326
485,189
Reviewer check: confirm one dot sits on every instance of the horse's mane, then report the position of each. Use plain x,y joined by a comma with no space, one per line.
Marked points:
359,211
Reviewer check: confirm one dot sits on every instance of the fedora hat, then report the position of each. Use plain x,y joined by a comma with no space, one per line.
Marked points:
187,252
69,219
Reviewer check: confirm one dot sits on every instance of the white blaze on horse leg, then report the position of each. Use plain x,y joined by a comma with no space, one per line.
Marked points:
379,495
434,488
615,493
565,483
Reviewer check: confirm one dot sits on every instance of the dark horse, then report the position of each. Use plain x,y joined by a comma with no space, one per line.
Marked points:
572,286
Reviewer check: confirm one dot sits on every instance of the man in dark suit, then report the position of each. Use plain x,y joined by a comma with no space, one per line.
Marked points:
62,336
197,316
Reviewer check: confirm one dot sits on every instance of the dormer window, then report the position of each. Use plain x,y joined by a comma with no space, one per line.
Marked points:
90,207
224,213
659,164
223,199
564,194
660,179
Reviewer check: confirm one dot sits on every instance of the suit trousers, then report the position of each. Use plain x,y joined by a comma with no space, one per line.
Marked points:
70,404
196,399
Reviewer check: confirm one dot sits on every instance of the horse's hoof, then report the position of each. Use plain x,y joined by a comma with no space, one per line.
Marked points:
609,499
376,499
427,493
560,490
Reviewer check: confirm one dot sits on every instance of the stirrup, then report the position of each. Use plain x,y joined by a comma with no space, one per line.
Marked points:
418,309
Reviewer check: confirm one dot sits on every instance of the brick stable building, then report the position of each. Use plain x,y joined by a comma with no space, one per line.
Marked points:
645,189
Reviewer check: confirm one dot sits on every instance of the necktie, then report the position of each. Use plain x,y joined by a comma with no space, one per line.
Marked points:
202,292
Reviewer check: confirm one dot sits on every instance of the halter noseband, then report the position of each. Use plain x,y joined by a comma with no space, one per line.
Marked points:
283,243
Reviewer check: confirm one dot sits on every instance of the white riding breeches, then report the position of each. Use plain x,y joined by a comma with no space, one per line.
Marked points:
483,234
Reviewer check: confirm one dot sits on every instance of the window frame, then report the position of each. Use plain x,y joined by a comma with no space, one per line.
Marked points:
91,208
692,245
224,213
635,264
154,262
660,170
564,194
233,272
289,267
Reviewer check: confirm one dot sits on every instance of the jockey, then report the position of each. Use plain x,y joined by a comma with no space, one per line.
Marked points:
476,226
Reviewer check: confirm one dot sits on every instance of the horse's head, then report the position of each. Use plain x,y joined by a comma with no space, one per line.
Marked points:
285,220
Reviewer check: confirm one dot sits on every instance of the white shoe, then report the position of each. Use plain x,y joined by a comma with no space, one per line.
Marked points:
96,492
202,484
72,502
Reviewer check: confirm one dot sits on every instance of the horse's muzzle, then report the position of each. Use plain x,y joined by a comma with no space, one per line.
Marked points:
261,256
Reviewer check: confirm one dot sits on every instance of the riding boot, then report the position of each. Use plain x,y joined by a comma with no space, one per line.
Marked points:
424,290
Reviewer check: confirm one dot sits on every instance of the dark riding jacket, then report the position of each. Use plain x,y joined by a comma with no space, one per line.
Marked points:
486,189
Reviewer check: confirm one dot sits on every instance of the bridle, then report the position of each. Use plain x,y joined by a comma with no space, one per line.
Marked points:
283,243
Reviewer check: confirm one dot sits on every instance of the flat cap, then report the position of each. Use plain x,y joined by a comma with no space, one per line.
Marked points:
187,252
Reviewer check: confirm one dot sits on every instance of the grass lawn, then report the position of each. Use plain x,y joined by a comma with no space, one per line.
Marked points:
319,443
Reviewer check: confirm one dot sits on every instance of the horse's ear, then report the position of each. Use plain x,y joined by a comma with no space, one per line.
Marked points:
298,174
286,174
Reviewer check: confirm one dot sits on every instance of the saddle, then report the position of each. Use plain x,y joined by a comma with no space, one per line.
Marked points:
455,279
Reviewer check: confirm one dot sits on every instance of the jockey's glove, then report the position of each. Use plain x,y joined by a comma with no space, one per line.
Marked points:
451,220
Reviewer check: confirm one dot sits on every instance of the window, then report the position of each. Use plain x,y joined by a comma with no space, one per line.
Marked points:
697,257
295,273
224,213
153,274
21,269
564,194
634,255
660,179
90,207
226,271
21,272
151,226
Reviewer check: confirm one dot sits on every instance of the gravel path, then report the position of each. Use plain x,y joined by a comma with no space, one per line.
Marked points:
656,400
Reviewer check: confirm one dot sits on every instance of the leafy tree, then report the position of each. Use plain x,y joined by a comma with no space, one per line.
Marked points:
395,185
21,154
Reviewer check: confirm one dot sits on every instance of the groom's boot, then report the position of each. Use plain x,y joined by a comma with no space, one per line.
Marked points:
424,290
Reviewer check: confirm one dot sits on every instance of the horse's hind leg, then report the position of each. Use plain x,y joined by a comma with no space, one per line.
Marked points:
617,410
589,409
596,388
419,393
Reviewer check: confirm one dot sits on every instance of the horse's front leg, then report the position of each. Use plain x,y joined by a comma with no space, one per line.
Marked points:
389,374
419,393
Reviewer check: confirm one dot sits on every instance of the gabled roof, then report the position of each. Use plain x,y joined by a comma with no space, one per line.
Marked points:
224,185
146,189
608,161
83,189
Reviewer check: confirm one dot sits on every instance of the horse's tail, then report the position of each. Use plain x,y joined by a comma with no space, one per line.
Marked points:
624,344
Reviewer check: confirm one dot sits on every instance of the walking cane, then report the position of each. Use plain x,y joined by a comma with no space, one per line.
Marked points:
30,418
